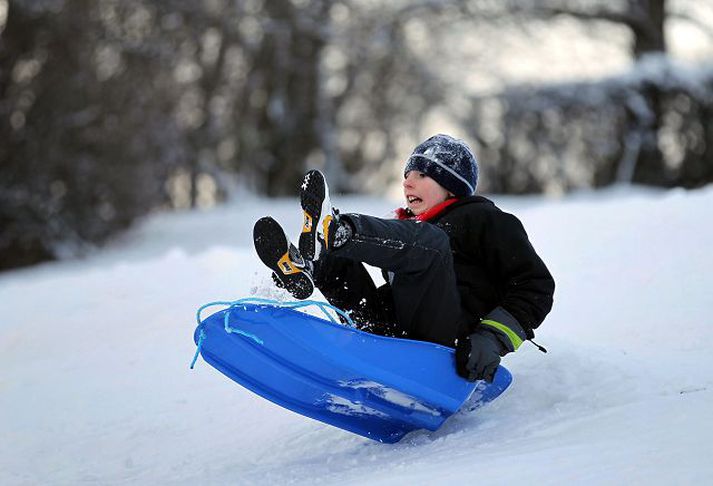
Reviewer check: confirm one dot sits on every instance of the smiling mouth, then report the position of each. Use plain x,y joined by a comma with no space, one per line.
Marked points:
413,199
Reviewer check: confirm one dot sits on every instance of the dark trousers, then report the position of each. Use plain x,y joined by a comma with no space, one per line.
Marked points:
420,300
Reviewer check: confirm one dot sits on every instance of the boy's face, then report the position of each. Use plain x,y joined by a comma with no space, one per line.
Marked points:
422,192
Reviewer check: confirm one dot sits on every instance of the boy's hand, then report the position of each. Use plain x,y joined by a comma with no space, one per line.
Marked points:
478,355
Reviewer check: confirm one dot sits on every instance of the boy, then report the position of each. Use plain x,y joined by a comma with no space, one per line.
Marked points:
459,271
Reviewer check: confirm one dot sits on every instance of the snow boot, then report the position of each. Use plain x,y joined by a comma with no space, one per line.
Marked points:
320,220
291,271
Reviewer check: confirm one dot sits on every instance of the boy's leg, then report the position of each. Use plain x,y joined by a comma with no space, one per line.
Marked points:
418,258
346,284
424,293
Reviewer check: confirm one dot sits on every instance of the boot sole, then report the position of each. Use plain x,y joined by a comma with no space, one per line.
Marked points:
272,246
314,199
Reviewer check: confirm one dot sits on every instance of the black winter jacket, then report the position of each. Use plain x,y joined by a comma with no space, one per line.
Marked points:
495,264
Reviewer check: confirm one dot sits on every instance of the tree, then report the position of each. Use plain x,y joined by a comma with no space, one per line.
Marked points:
84,151
646,21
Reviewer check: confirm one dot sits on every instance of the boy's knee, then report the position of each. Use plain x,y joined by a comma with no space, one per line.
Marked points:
435,238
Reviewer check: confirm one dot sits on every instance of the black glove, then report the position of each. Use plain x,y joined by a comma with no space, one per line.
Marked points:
478,355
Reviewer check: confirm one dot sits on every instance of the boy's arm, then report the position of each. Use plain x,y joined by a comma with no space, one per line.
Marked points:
526,287
523,280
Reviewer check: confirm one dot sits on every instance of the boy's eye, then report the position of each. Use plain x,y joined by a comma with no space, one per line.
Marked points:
417,173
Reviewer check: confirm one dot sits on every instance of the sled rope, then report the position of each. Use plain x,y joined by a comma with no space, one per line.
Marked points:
201,337
323,306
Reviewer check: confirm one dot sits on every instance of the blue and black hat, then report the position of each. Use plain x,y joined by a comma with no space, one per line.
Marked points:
448,161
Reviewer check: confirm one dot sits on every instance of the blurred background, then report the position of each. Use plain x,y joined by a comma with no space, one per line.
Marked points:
113,109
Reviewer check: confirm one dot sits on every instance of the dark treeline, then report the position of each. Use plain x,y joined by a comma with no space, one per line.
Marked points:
651,126
110,109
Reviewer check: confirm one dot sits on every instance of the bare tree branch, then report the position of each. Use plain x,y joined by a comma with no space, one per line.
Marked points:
625,18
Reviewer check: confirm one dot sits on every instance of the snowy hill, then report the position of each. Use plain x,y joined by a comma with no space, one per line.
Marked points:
95,386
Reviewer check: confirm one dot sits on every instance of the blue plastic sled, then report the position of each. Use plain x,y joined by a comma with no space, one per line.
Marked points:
378,387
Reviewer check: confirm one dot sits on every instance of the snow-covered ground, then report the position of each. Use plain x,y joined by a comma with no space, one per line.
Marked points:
95,386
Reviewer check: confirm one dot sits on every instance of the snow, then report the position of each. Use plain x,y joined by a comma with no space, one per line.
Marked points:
95,386
392,396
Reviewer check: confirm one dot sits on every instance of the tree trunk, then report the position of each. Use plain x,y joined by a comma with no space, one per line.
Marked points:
648,26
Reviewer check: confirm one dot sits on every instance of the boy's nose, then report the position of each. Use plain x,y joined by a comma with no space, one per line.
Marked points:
407,180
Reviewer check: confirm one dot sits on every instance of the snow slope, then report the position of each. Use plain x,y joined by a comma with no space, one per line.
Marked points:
95,386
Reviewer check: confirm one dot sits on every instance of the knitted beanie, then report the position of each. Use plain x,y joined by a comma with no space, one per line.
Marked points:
448,161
